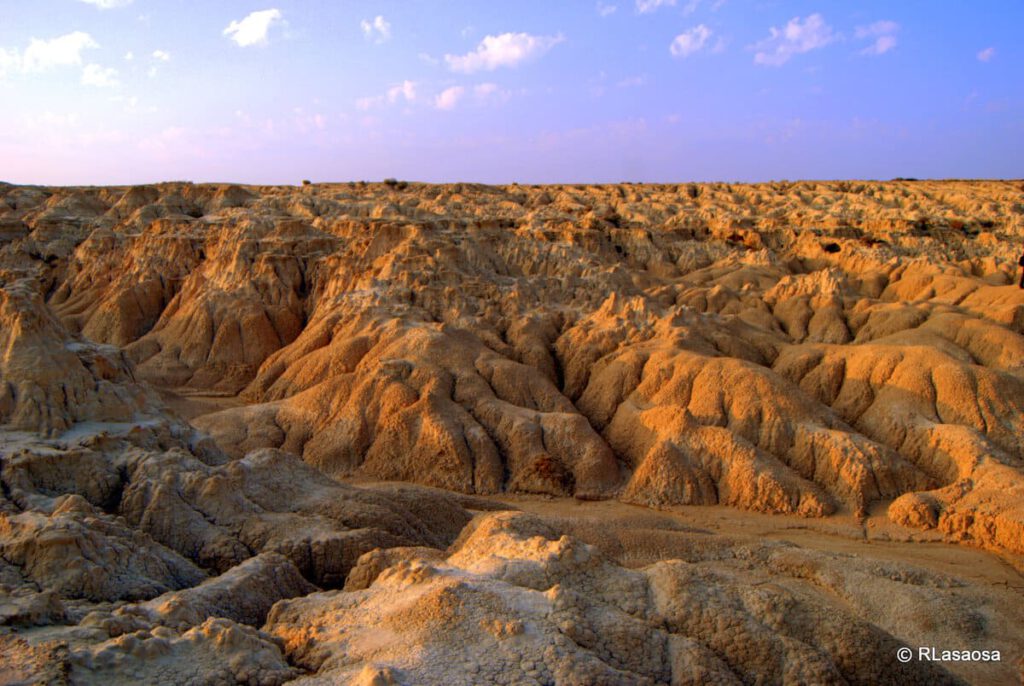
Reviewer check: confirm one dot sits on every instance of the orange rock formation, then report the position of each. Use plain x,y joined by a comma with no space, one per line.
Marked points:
805,349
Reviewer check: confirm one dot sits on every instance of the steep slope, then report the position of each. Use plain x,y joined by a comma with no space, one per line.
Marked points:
132,549
663,345
796,348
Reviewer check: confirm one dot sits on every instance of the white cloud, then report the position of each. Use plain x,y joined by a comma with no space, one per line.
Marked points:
378,30
986,54
795,38
689,42
403,91
491,93
427,58
129,56
406,89
108,4
606,9
879,28
882,35
95,75
162,55
254,29
882,45
64,51
505,50
648,6
449,97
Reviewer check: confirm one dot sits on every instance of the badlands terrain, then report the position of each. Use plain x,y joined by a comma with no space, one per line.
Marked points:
410,434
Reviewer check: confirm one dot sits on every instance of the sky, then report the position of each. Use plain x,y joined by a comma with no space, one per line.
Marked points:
555,91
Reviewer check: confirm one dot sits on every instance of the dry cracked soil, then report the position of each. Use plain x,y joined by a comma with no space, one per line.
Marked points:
398,433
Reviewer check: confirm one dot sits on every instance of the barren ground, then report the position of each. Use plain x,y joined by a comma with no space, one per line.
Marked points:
397,434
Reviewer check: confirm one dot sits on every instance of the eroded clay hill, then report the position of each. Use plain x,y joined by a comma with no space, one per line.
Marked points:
795,348
800,349
134,551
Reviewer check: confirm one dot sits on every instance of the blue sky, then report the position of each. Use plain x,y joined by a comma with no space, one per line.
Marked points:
133,91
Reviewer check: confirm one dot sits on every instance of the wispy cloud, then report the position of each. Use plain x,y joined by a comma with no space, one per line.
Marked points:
378,29
404,91
882,35
9,61
482,94
633,82
648,6
986,55
491,92
253,30
505,50
689,42
449,98
605,9
108,4
131,103
158,56
368,102
100,77
795,38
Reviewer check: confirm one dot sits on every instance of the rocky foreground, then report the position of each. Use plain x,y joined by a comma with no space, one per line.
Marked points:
830,351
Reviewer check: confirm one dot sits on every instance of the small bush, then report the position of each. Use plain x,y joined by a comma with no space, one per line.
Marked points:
307,182
391,182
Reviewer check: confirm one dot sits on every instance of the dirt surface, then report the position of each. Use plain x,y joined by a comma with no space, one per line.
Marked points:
877,538
767,433
189,405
